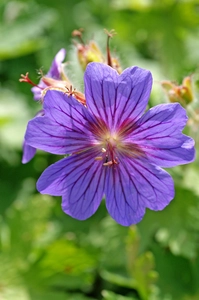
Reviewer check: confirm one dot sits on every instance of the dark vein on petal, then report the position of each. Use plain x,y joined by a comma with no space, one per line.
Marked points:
148,170
126,103
103,101
85,173
94,101
131,180
62,137
123,190
71,118
82,159
139,125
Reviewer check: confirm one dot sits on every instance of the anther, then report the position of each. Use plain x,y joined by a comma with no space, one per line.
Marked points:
70,91
111,162
98,158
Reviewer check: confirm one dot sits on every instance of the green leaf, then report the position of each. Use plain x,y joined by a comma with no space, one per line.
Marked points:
24,34
176,227
158,39
113,244
108,295
23,244
57,295
65,264
139,273
14,114
176,277
11,283
120,280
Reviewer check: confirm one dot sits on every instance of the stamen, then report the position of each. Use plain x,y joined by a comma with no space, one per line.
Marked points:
25,78
109,158
98,158
70,91
110,34
111,162
78,95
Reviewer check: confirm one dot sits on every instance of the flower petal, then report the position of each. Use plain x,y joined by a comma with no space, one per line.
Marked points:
100,90
133,92
55,69
54,72
114,98
64,128
80,181
132,186
158,133
53,179
28,153
37,91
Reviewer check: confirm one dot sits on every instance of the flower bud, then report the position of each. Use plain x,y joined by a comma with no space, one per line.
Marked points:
89,53
187,90
179,93
116,64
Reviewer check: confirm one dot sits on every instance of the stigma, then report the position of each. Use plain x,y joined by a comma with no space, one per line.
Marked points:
109,145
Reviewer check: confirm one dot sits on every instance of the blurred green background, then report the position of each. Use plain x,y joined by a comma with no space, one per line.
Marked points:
45,254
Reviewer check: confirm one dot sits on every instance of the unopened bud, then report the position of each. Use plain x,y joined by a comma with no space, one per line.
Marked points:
116,65
167,85
89,53
187,90
179,93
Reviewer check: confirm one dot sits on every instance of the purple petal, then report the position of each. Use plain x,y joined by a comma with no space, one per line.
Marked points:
52,180
55,69
133,92
54,72
100,90
114,98
158,133
64,128
37,91
80,181
28,153
131,186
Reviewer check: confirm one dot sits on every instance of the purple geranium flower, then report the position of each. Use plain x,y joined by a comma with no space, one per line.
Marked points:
115,150
54,72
